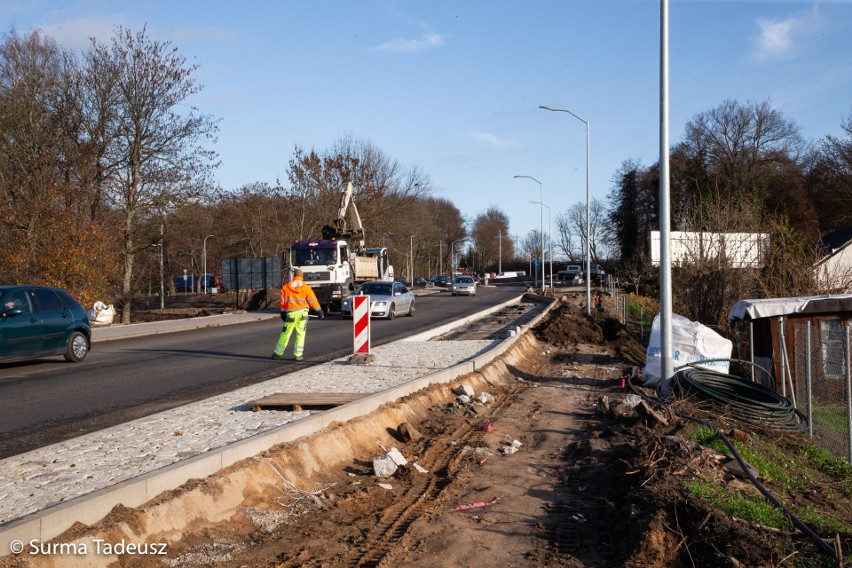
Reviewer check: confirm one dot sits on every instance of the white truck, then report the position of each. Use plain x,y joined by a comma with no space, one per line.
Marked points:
338,262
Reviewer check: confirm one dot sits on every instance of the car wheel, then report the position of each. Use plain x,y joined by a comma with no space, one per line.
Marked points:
78,347
411,309
391,311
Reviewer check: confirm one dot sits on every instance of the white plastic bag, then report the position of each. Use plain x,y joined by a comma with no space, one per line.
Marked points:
691,342
106,315
101,314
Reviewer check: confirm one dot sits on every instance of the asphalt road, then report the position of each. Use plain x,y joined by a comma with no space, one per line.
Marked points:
47,400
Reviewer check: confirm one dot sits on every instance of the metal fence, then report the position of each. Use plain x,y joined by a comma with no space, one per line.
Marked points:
820,373
633,316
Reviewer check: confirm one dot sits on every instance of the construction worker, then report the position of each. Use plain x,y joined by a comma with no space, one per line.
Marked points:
297,298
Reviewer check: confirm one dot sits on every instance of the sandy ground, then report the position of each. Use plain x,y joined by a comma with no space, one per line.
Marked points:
589,483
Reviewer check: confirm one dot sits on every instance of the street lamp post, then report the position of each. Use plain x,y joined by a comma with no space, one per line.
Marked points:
411,272
162,283
541,225
549,243
204,273
453,256
588,214
500,252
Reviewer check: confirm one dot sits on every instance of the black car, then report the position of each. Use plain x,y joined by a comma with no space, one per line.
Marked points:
441,280
37,321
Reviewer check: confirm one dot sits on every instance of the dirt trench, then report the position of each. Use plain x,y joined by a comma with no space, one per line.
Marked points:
546,474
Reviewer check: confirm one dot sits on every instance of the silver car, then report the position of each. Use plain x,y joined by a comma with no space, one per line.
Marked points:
464,285
387,300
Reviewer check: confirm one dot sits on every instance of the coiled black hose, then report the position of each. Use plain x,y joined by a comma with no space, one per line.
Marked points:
746,401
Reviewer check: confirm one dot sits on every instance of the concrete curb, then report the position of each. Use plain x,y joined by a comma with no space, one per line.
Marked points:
119,331
88,509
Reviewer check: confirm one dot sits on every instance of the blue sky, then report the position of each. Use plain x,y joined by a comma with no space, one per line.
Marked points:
454,87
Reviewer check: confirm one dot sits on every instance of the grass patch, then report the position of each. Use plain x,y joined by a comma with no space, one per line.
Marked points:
832,466
822,524
831,418
751,508
778,468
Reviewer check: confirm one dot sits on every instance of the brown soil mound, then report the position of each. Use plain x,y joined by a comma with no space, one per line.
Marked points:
569,327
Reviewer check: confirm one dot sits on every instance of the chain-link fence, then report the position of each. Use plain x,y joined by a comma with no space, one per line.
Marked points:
823,384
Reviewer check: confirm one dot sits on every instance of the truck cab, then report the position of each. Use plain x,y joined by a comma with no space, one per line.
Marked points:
333,271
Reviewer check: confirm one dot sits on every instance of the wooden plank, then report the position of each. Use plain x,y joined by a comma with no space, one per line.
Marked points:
302,400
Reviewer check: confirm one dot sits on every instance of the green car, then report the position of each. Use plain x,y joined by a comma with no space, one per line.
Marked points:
37,321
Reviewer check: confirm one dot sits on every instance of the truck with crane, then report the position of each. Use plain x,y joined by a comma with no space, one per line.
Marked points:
340,261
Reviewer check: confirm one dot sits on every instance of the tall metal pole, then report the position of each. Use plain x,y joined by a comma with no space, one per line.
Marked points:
204,273
550,246
411,273
588,211
500,252
541,223
162,284
666,362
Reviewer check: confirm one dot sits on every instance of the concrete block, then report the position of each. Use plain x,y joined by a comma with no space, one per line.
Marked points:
90,508
175,475
25,530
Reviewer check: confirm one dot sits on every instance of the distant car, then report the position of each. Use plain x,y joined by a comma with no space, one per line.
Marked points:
387,300
571,276
37,321
464,285
441,280
420,282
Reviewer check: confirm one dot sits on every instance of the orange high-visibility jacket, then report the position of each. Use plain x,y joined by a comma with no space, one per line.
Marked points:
296,295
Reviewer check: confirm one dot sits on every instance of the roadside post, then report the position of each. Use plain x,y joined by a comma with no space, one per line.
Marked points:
361,324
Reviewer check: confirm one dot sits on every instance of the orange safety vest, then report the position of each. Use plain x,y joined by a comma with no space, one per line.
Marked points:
296,295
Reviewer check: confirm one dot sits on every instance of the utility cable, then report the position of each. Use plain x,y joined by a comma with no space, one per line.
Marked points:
746,401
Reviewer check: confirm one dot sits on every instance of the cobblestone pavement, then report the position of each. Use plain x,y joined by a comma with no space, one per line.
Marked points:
38,479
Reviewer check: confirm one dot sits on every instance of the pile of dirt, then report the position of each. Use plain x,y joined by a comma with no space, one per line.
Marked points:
570,327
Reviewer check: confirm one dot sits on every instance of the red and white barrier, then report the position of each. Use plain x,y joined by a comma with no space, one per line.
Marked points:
361,323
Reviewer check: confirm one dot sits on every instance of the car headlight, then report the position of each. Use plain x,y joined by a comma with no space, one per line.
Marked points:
380,304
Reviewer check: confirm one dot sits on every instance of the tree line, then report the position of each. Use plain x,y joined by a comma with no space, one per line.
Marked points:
105,168
740,168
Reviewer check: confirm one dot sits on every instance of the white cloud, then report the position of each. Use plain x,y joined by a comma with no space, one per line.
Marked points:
75,34
775,38
490,138
427,41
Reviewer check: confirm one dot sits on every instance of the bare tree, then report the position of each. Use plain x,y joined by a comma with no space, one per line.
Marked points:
385,190
159,147
571,231
739,142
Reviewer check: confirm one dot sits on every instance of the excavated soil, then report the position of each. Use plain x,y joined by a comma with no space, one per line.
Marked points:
589,483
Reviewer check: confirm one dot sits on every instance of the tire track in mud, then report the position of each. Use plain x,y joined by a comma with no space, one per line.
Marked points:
394,523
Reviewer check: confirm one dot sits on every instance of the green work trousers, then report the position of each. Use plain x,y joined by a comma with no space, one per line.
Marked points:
293,321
